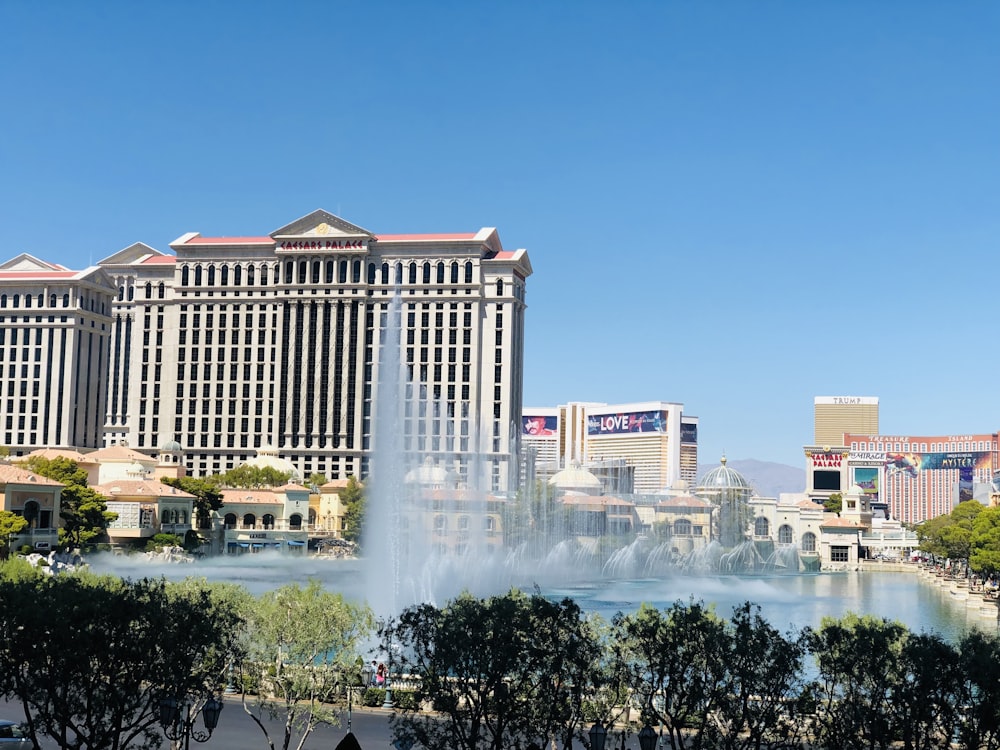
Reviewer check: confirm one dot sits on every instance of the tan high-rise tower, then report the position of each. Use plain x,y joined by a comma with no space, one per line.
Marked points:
835,415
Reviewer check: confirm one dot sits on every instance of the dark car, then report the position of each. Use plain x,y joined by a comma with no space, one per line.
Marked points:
12,734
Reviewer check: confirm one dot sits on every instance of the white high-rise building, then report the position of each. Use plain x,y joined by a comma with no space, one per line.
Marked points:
54,333
237,343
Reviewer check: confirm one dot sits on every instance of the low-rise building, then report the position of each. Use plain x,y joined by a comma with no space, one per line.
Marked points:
36,499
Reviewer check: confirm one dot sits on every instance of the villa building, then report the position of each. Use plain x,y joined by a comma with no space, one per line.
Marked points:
35,498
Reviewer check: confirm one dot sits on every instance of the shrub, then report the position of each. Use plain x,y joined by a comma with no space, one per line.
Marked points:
374,696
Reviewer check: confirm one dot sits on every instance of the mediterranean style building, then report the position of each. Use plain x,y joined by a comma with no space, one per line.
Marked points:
233,344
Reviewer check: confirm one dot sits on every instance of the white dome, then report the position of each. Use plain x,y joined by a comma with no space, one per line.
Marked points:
575,477
267,458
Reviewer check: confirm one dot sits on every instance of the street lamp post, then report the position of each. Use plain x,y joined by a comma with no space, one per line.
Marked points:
178,719
598,734
647,738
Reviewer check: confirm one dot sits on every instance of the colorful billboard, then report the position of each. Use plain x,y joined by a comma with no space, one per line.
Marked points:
866,477
689,432
535,425
616,424
912,464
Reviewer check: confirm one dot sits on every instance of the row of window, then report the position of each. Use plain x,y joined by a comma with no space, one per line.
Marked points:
939,447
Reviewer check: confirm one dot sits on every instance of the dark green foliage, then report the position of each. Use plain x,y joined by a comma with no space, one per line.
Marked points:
84,513
504,672
89,658
254,477
206,493
352,497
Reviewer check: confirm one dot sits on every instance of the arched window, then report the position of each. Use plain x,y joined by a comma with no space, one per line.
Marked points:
197,276
303,269
52,300
784,534
356,272
440,272
237,275
149,290
499,287
289,270
182,516
27,300
413,273
399,273
121,293
682,527
468,272
342,272
66,300
165,516
454,273
372,273
224,275
440,525
185,275
31,512
41,302
315,271
808,542
761,527
427,273
295,521
3,300
230,520
249,521
250,281
161,291
17,300
211,275
268,520
385,273
329,272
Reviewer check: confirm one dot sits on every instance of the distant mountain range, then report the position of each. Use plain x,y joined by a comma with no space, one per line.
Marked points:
768,478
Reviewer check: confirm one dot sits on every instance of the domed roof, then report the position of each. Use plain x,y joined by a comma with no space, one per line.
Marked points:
428,474
171,446
723,477
267,457
575,477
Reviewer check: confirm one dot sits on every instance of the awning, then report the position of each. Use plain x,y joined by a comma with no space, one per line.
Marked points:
257,545
296,544
244,545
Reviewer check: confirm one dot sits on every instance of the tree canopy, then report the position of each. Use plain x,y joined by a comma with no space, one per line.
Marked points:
84,513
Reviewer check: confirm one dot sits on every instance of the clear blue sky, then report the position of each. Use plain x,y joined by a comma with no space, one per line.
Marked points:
733,205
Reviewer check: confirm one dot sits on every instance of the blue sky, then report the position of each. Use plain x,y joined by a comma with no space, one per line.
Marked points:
733,205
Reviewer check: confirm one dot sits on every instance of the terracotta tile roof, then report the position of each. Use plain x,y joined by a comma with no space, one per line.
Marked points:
335,484
10,474
243,496
127,487
687,501
50,453
118,453
155,260
840,523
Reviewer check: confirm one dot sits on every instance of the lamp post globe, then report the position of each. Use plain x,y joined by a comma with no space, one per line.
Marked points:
647,738
597,736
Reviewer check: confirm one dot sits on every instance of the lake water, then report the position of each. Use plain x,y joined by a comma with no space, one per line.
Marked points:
786,601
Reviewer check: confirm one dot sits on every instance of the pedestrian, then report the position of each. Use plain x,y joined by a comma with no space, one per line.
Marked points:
380,674
372,676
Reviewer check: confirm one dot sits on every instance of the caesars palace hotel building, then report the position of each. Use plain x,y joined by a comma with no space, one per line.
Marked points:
233,344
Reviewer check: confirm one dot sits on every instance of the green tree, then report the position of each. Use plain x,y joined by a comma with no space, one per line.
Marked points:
84,513
159,541
678,664
255,477
925,700
834,503
858,671
315,481
503,672
979,694
10,524
302,648
763,679
352,497
90,657
985,543
208,498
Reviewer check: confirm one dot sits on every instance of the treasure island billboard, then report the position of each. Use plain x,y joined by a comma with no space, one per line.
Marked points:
911,464
637,421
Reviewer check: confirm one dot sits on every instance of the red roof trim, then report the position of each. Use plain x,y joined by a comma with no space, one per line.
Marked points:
159,260
37,274
410,237
230,241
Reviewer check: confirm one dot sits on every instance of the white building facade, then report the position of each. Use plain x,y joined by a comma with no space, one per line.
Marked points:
237,343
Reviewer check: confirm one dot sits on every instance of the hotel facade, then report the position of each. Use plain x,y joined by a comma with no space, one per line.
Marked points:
636,448
234,343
